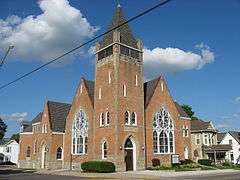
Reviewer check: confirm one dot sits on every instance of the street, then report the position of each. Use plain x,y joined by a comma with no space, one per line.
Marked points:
31,176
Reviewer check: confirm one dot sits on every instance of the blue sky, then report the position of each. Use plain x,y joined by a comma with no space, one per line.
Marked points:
174,30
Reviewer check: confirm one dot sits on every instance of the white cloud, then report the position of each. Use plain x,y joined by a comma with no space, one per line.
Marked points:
237,99
18,116
171,60
60,27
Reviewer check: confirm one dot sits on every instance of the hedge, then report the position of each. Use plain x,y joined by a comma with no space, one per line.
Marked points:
155,162
206,162
98,166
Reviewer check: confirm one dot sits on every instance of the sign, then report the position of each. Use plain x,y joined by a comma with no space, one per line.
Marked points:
175,158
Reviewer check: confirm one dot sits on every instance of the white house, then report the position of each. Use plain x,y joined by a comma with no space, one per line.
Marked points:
232,138
9,151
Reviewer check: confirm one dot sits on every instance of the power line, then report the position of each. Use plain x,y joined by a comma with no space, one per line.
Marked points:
161,3
6,54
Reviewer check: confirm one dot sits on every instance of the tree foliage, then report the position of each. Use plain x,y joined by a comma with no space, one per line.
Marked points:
3,129
15,137
189,111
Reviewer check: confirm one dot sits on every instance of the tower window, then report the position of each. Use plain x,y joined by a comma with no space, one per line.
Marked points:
81,89
134,118
124,90
136,80
107,118
105,53
102,119
109,77
100,93
127,118
104,150
28,154
59,153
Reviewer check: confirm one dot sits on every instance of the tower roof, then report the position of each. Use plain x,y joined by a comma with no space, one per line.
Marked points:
125,31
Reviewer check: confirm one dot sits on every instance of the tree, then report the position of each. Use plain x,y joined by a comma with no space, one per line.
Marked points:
3,129
15,137
189,111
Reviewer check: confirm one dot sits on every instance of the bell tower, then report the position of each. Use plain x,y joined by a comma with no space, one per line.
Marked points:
119,97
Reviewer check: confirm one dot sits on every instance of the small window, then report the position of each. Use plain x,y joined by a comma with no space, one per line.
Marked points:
109,77
162,86
86,145
28,154
59,153
155,142
81,89
133,119
100,93
104,150
107,118
35,147
102,119
124,90
230,142
127,118
136,80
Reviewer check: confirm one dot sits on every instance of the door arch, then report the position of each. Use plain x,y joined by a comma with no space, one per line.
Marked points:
43,156
130,154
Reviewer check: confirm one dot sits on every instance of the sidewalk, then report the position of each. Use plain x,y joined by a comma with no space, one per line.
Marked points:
147,174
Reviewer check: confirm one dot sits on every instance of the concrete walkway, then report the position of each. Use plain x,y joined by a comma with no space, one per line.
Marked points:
147,174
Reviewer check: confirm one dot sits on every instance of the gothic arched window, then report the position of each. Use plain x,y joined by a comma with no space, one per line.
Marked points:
104,150
107,118
28,154
163,132
127,118
102,119
80,133
59,153
134,118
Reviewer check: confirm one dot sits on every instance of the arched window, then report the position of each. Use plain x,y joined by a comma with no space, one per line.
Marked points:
155,142
127,118
28,154
134,118
102,119
104,150
163,132
107,118
80,133
59,153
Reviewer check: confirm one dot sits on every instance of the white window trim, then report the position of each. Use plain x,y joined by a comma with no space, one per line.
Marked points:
106,121
102,121
61,154
103,149
109,77
100,93
134,124
129,118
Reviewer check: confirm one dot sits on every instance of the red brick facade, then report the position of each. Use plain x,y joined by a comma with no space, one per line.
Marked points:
128,106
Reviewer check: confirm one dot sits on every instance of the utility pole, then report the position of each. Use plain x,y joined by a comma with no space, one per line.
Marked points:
4,58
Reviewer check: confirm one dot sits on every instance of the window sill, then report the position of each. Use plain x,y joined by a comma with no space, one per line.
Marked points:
163,153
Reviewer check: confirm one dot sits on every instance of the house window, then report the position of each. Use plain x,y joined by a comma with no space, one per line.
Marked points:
35,147
134,118
104,150
8,149
80,133
28,154
107,118
100,93
102,119
197,139
59,153
230,142
206,139
127,118
163,132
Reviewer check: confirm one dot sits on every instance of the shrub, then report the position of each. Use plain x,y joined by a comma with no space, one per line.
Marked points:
7,163
98,166
187,161
155,162
206,162
227,164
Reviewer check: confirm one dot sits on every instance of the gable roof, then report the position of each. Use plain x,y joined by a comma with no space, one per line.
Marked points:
181,111
126,34
38,118
235,135
200,125
220,136
90,88
57,115
149,88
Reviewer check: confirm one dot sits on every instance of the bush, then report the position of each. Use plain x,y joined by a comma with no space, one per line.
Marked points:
98,166
155,162
227,164
187,161
206,162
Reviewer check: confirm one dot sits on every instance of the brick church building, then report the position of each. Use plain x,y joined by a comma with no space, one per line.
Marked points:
116,118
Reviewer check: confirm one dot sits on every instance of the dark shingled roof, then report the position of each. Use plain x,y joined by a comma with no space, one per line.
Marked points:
236,135
38,118
218,147
125,32
57,115
90,88
181,111
220,136
149,88
199,125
